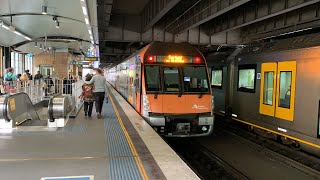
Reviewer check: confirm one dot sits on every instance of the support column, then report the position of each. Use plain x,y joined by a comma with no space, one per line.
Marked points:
7,57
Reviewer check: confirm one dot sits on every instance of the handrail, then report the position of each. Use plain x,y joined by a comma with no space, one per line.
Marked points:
5,105
50,109
5,109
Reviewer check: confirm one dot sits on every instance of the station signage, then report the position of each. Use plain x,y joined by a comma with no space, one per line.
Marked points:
86,58
174,59
79,63
90,59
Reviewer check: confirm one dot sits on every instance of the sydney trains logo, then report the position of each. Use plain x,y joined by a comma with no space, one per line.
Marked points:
198,107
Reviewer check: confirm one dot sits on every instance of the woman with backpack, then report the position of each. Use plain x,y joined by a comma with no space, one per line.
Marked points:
10,81
88,97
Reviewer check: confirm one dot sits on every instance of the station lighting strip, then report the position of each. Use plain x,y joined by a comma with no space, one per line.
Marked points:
15,31
86,18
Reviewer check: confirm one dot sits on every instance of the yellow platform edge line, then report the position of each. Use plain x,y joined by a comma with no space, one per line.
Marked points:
275,132
132,147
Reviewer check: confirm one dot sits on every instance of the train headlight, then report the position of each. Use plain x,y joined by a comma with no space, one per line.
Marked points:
146,105
204,128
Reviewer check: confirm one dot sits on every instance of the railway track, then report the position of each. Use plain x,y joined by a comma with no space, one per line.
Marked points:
206,164
303,161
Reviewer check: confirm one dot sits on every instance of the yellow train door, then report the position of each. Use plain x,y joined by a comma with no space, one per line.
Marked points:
277,94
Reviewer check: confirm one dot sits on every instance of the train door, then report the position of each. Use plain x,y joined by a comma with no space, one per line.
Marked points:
278,81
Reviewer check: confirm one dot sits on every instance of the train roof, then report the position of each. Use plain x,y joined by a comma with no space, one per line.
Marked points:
165,48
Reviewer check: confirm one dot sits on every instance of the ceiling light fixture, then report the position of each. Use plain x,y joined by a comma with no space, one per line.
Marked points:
57,24
84,9
87,21
13,29
27,38
44,10
40,46
35,44
5,27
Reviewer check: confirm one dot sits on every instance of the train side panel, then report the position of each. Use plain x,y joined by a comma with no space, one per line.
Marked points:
305,124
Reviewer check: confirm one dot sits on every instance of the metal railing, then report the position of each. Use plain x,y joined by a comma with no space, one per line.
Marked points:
37,90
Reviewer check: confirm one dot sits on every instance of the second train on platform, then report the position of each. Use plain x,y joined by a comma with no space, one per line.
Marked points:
168,84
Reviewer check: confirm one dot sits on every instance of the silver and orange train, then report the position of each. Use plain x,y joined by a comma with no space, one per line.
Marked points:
275,89
168,84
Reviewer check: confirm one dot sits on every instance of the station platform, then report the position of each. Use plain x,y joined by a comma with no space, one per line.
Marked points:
121,145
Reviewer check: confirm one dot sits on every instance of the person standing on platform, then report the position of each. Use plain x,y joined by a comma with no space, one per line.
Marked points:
49,84
28,74
87,96
38,76
10,80
100,90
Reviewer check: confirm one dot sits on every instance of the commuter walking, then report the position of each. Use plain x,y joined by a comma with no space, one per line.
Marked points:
100,90
87,96
10,79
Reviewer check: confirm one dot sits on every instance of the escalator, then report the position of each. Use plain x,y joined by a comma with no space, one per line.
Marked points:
17,111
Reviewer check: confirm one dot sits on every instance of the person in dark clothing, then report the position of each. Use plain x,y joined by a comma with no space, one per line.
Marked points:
67,86
28,73
38,76
49,84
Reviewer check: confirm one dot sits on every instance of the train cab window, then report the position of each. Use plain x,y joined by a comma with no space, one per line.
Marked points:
246,78
216,78
268,88
195,79
171,79
152,78
285,89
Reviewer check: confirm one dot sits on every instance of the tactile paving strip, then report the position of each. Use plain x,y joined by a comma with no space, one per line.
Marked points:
122,162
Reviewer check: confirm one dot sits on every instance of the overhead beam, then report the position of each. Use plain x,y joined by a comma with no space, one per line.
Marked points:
256,11
202,12
104,13
155,10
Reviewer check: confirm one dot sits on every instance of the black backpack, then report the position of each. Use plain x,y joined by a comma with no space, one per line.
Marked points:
9,78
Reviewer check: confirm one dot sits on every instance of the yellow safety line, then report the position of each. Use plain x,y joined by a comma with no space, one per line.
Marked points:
300,140
59,158
266,129
133,149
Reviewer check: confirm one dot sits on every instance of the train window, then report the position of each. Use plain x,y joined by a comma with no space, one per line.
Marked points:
246,78
152,78
285,89
216,78
268,88
171,79
195,79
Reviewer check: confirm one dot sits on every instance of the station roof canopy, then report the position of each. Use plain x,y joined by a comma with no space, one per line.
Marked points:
25,25
120,27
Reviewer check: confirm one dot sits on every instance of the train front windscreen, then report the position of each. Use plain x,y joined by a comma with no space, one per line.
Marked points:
176,74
